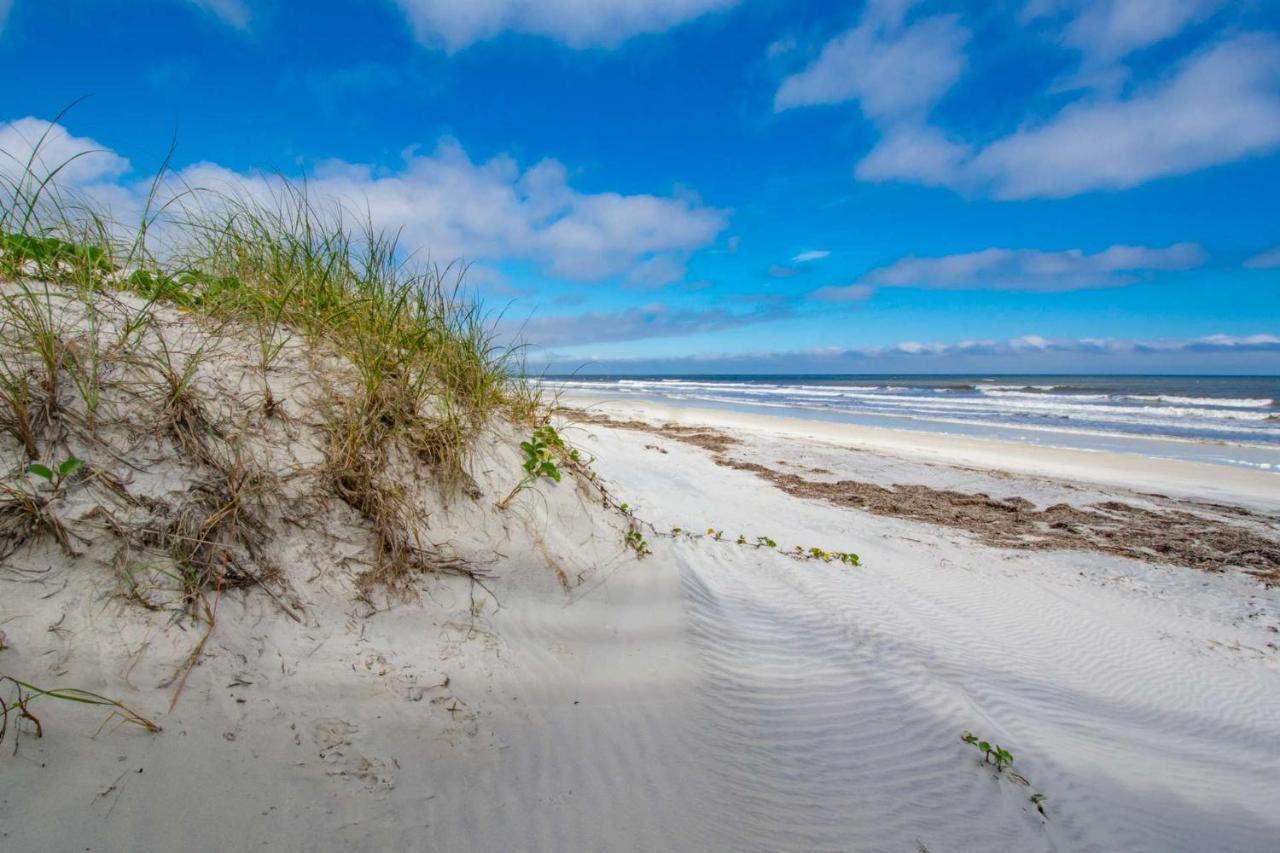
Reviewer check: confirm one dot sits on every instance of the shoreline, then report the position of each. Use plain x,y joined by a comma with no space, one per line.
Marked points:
1173,477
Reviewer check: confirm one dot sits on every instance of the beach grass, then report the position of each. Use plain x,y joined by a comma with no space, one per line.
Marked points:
429,373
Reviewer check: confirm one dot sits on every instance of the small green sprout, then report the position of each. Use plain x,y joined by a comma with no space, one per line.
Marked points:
56,477
765,542
1038,801
742,539
994,753
635,541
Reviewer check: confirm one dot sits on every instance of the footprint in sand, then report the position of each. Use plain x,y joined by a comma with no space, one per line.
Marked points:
333,737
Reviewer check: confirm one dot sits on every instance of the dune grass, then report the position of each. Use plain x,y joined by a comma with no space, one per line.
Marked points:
428,374
19,706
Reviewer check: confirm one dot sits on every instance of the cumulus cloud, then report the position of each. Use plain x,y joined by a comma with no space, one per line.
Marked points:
1219,106
1031,270
576,23
79,160
893,71
917,153
1268,260
443,203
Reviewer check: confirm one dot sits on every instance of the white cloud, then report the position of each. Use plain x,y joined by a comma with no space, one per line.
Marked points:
1032,270
813,255
655,320
577,23
1108,30
917,153
234,13
445,204
1256,353
1220,106
1037,343
1268,260
893,72
844,293
78,160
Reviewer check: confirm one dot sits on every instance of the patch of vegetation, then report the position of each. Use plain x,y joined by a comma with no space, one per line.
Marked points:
428,375
991,753
540,452
26,510
996,755
56,477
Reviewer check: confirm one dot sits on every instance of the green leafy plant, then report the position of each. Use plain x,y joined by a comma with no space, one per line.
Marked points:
26,510
994,753
56,477
765,542
541,452
991,753
635,541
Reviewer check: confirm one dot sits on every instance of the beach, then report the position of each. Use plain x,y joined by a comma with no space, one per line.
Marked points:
640,426
721,692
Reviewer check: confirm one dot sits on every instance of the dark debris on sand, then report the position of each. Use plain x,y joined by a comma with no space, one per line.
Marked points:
1169,536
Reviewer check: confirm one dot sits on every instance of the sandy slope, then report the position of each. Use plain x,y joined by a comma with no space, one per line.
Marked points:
708,697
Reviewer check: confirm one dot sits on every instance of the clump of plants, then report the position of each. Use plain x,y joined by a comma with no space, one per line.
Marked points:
26,509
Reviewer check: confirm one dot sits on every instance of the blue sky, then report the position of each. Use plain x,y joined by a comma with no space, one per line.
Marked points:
735,185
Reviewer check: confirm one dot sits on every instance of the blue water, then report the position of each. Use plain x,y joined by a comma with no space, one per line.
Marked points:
1225,419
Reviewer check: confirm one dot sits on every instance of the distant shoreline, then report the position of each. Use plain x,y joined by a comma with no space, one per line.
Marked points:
1227,422
1184,477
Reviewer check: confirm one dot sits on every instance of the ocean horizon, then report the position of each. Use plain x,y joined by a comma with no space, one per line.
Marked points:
1223,419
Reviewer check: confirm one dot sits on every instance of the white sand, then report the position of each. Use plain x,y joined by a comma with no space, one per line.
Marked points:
708,697
1179,477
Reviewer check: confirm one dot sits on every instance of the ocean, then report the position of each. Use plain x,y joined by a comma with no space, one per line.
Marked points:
1231,420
